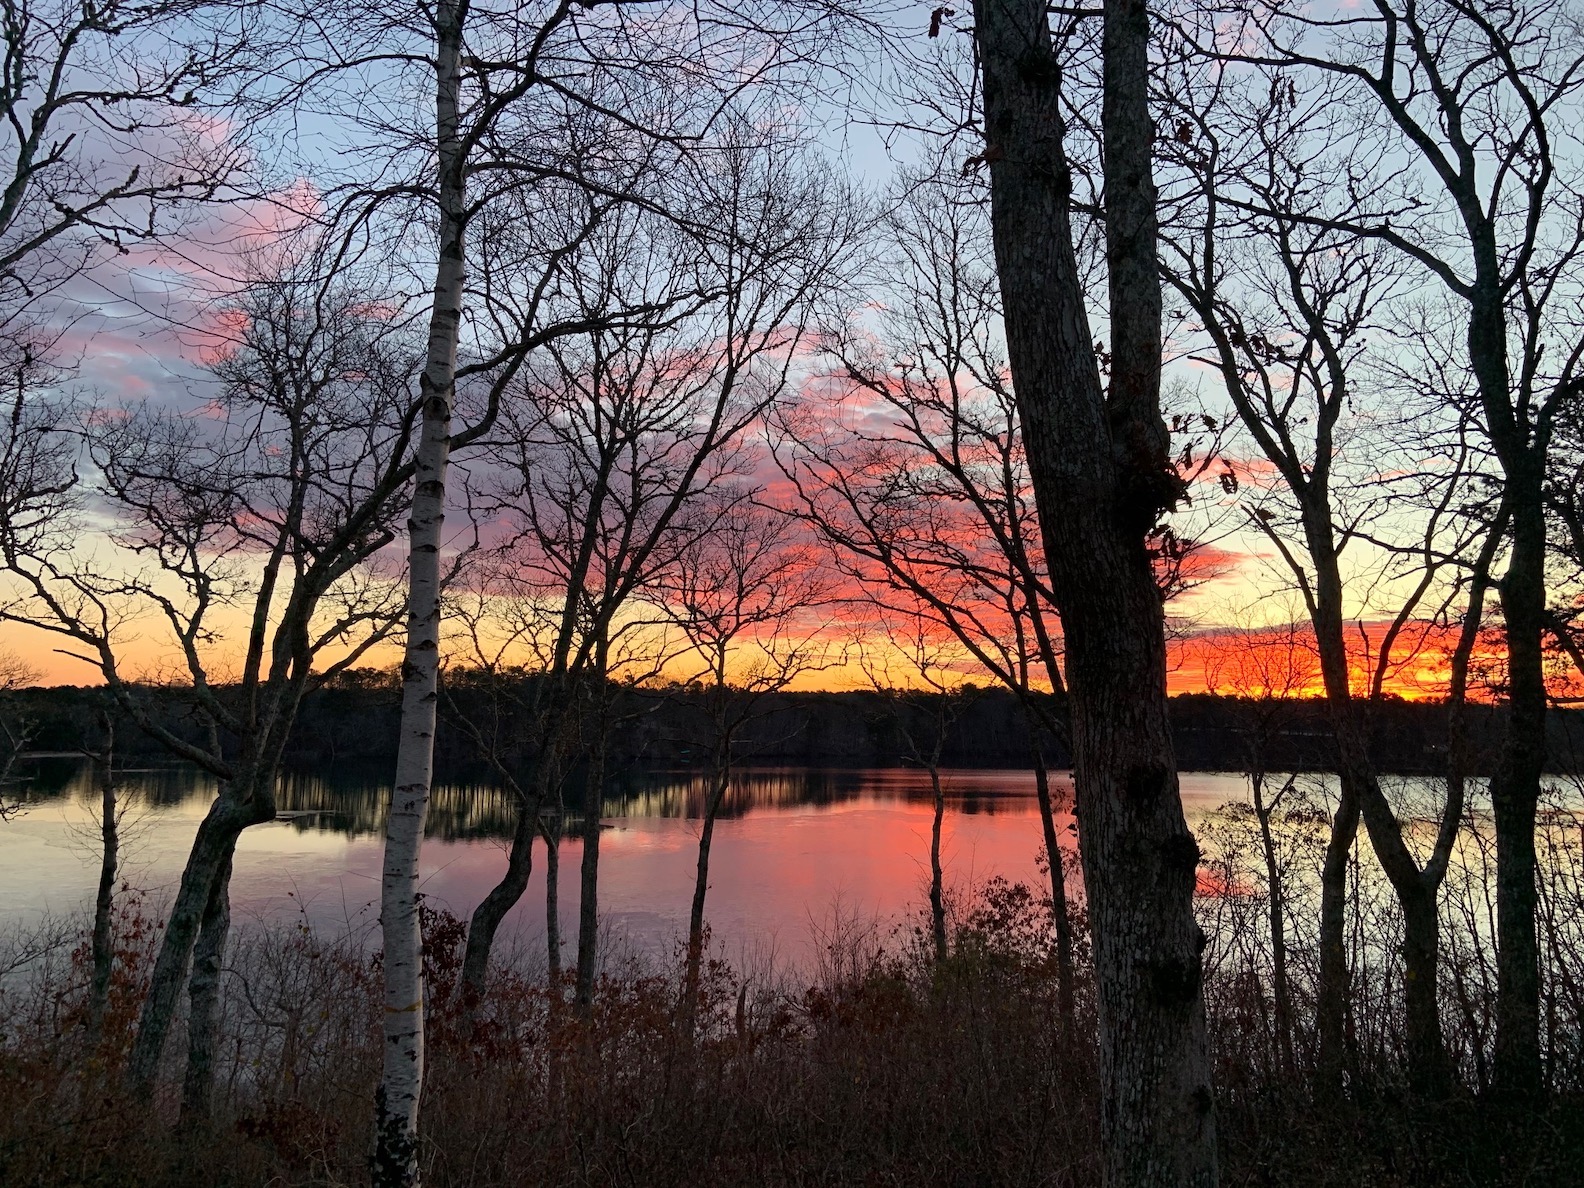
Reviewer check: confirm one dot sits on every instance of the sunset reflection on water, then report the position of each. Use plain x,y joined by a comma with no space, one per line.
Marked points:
793,848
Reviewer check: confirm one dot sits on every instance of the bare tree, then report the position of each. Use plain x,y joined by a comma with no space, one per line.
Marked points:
615,434
505,82
1102,476
101,137
539,211
16,725
396,1100
253,527
1287,305
102,943
1464,110
917,667
101,147
747,596
910,465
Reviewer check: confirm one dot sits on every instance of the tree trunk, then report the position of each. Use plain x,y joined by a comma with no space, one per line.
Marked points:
502,897
203,996
1332,993
553,835
937,895
492,909
1416,889
1101,472
1429,1070
588,895
695,941
211,850
395,1161
1278,925
1065,989
554,831
103,947
1515,798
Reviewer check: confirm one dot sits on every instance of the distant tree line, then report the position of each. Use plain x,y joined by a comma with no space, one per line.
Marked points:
544,338
354,721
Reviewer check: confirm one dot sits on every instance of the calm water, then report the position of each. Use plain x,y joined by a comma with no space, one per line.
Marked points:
796,847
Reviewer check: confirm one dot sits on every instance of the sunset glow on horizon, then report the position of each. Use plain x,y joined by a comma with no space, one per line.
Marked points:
1276,662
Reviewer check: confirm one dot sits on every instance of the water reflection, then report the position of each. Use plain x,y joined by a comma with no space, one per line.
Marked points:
353,802
793,843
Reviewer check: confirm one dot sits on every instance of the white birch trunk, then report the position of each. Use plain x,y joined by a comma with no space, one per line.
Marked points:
396,1138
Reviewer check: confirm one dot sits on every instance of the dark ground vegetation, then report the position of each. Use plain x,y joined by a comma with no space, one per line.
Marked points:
880,1066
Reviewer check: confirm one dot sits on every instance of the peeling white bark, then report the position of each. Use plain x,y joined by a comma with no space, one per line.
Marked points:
396,1138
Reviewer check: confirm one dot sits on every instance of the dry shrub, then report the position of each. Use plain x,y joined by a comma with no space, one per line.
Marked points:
879,1066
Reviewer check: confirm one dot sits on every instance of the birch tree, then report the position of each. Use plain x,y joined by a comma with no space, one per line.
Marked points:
651,86
396,1101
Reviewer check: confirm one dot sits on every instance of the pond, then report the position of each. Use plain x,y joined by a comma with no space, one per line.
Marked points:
795,849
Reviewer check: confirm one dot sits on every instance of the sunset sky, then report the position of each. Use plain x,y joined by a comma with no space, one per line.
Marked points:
142,326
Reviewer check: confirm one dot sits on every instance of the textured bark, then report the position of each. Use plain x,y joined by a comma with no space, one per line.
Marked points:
1332,992
103,945
203,997
588,896
1101,479
1515,794
395,1161
1065,990
212,846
